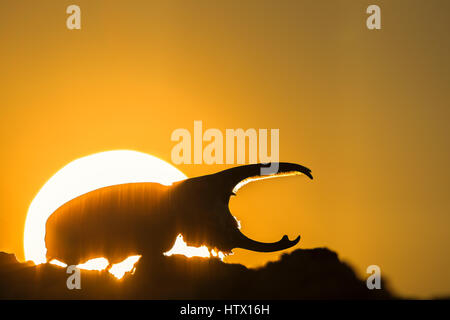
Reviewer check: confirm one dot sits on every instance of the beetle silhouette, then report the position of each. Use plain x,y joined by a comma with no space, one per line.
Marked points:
144,218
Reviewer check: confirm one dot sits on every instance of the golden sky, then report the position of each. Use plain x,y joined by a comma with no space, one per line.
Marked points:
367,111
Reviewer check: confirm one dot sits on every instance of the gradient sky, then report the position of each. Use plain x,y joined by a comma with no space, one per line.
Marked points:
367,111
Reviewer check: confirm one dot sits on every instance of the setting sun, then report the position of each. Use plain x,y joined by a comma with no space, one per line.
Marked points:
86,174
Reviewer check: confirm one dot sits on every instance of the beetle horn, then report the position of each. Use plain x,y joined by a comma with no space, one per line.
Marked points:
244,242
234,178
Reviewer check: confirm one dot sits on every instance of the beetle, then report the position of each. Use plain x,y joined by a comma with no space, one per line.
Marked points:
145,218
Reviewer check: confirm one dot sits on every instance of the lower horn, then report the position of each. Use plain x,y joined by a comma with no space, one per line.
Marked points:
246,243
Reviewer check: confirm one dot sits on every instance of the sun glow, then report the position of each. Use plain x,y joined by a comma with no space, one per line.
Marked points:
94,264
58,263
84,175
118,270
181,247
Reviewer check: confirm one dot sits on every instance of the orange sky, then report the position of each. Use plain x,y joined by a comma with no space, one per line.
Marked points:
367,111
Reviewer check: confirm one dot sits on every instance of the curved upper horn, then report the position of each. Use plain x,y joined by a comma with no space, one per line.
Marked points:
230,178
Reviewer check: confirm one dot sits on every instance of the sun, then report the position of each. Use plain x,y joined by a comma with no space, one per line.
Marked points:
84,175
